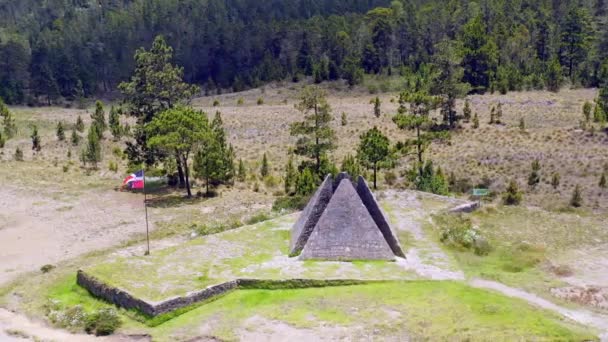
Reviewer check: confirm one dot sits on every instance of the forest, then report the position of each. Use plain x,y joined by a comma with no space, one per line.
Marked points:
56,50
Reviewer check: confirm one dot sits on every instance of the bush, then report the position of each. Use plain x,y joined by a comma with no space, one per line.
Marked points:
216,103
259,217
459,233
113,166
103,322
46,268
512,196
240,101
289,203
260,101
390,178
18,154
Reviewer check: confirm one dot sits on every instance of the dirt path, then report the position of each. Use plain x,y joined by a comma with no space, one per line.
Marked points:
581,316
38,229
425,257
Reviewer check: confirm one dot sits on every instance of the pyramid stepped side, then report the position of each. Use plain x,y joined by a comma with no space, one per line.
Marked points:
346,231
369,200
310,216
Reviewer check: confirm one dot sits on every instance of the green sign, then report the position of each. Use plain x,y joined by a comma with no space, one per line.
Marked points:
481,192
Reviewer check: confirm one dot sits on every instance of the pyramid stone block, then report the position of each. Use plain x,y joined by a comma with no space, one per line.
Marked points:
346,230
310,216
378,216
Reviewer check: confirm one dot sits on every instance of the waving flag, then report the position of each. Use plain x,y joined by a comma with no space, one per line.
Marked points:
135,180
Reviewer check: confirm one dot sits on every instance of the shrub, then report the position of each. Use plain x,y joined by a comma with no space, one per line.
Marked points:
459,233
577,199
18,154
66,168
240,101
103,322
512,196
216,103
259,217
260,101
289,203
113,166
46,268
390,178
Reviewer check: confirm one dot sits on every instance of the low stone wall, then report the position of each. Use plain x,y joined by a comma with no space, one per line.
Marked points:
127,301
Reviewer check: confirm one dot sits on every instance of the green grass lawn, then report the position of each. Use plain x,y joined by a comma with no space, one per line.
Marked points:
259,251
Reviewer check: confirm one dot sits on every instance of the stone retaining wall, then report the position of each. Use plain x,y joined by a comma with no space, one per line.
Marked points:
127,301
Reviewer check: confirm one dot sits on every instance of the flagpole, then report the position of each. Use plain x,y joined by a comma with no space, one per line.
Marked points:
146,209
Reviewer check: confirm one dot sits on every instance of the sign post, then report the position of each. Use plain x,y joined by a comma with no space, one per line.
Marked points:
479,193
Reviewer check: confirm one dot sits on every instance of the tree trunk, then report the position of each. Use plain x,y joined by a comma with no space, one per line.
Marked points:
186,172
180,172
375,171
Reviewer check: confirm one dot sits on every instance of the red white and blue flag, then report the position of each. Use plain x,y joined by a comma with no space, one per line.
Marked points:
134,181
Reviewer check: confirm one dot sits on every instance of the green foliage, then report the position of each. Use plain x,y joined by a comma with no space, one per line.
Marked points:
587,107
306,183
265,168
10,128
179,131
522,124
79,124
512,196
2,141
315,137
459,233
374,151
60,132
351,165
242,172
46,268
343,119
554,78
603,184
93,148
36,144
598,114
240,101
289,203
475,121
113,166
291,176
103,322
432,180
18,154
577,198
534,177
555,180
377,110
99,119
466,111
216,103
114,123
75,138
576,38
480,55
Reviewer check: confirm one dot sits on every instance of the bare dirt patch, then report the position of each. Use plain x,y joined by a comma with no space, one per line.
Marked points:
590,295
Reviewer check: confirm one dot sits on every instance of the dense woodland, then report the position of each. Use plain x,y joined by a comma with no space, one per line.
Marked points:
69,49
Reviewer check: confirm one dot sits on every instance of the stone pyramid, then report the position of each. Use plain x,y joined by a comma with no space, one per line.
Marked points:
343,223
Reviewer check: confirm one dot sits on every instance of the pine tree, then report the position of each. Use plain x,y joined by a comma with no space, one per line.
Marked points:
466,111
499,113
99,119
553,77
377,110
60,132
2,141
290,176
587,111
512,196
343,119
522,124
374,151
351,165
265,169
577,198
534,177
10,128
555,180
598,114
18,154
602,183
306,183
75,138
93,149
114,123
242,173
475,121
36,146
492,116
79,124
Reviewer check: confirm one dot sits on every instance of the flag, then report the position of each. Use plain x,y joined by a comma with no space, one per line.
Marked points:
135,180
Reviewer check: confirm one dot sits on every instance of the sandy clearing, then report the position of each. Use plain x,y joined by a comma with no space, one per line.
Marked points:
38,230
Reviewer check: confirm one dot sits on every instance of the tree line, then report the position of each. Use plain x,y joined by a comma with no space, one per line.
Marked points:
76,48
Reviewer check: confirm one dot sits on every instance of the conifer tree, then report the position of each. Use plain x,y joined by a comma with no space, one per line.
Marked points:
99,119
114,123
475,121
60,131
587,111
93,149
512,196
377,110
2,141
18,154
343,119
75,138
466,111
290,176
534,177
577,198
374,151
306,183
242,172
522,124
499,113
36,146
553,77
555,180
602,182
10,128
79,124
598,114
492,115
314,133
351,165
265,169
